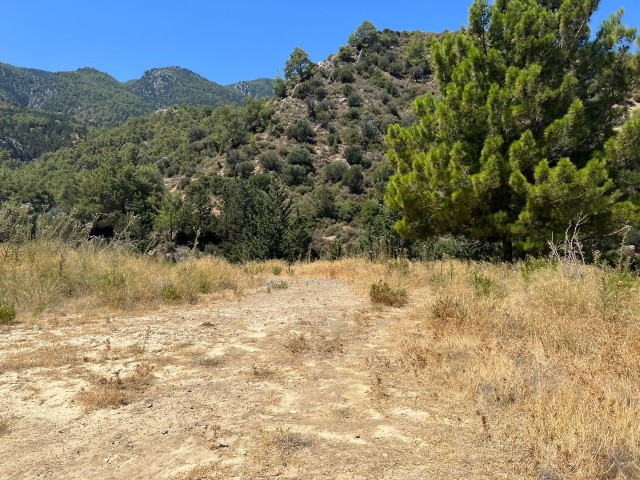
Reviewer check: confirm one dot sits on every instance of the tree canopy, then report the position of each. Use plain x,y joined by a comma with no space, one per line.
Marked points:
513,147
298,67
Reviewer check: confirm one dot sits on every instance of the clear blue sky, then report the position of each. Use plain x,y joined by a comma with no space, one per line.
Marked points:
225,41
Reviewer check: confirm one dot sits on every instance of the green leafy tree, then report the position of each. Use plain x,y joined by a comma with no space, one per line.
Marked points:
509,150
298,67
365,36
117,189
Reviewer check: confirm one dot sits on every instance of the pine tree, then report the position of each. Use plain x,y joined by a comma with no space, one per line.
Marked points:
510,149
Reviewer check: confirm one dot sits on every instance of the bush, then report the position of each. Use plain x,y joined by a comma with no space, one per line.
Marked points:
383,294
301,131
335,171
270,161
354,179
245,169
353,154
354,100
170,292
7,312
294,175
345,75
301,156
280,88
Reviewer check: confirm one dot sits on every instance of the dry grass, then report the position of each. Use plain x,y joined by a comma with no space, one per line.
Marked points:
52,356
119,390
551,360
5,425
273,450
47,275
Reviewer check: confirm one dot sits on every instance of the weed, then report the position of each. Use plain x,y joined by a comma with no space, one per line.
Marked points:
170,292
204,285
484,286
7,312
383,294
288,442
614,291
448,308
209,362
532,265
297,344
5,426
277,284
276,270
117,391
399,265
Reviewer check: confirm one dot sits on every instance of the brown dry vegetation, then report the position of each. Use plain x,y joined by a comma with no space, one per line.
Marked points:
528,370
550,356
49,276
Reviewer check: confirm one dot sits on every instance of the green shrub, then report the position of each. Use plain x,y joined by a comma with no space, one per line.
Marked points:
301,131
353,154
532,265
483,285
277,270
7,312
270,161
170,292
354,100
383,294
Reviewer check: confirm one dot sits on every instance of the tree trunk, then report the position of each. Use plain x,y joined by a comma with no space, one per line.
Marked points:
507,250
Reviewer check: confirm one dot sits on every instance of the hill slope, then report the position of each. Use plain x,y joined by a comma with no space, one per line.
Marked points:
28,132
316,150
98,99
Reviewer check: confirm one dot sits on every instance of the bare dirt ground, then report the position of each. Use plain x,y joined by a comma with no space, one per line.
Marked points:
299,382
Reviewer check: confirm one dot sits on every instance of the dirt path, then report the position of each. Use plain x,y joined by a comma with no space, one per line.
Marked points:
292,383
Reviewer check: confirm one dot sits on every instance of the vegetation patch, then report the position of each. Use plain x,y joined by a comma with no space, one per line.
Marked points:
119,390
381,293
7,312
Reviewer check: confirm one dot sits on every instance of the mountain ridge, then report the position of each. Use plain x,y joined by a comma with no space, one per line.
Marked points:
97,98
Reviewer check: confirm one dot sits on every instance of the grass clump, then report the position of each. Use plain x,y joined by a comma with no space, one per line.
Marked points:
170,292
118,391
381,293
7,312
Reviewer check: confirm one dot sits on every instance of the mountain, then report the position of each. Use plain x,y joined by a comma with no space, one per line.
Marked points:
97,99
16,83
261,87
166,86
88,95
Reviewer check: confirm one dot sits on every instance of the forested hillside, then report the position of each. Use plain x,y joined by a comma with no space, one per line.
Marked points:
98,99
28,132
301,174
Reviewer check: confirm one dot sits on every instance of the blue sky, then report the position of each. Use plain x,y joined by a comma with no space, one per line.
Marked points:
223,41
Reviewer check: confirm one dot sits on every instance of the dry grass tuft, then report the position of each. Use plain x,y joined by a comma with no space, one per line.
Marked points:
278,448
118,391
54,356
5,425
